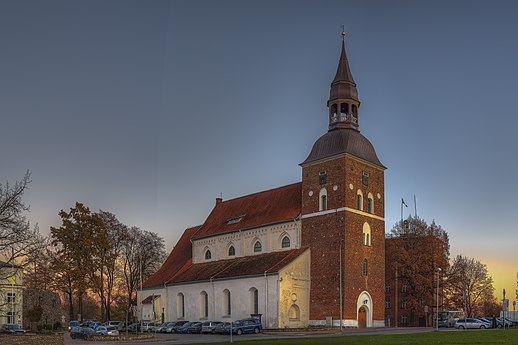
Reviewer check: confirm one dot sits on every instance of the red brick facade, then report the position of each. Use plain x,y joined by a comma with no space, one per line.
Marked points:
324,232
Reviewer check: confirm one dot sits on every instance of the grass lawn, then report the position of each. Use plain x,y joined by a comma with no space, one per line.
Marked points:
468,337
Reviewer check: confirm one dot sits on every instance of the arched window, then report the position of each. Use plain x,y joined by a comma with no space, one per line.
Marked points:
227,303
366,234
254,300
204,304
180,305
285,243
323,200
370,203
231,251
359,200
208,255
365,267
294,313
258,247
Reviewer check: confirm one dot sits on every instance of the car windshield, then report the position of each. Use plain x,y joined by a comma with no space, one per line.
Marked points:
111,328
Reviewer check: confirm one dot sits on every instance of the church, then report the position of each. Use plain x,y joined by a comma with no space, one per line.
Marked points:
310,253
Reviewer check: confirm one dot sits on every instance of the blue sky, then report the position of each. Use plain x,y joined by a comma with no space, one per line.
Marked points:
152,109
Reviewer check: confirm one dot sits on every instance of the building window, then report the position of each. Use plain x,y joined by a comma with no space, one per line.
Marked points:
370,203
180,305
11,297
365,178
204,304
387,304
365,267
208,255
404,319
359,200
258,247
254,301
404,288
403,304
227,303
322,177
10,317
323,200
285,243
387,288
231,251
366,234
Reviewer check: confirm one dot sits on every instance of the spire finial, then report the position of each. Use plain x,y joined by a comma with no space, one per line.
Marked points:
343,32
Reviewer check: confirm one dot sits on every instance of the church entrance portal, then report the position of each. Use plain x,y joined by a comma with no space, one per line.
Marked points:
362,318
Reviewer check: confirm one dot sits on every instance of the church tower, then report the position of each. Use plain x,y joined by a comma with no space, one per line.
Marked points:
343,215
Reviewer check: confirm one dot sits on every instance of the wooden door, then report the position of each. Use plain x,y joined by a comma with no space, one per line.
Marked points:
362,318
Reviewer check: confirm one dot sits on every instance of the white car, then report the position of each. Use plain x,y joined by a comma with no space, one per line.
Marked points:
107,330
469,322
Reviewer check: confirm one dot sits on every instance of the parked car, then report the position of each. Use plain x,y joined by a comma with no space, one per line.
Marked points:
113,323
72,323
134,327
195,328
81,332
12,328
182,329
209,326
107,330
220,329
486,320
167,327
150,327
245,326
501,322
471,323
180,324
95,324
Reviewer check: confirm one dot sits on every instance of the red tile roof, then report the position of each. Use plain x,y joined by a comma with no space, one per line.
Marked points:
267,207
238,267
179,257
148,299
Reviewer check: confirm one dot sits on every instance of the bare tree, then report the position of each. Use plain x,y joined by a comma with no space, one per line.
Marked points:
17,239
469,286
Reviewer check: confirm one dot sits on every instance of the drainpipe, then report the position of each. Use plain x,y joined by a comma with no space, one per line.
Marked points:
213,300
266,299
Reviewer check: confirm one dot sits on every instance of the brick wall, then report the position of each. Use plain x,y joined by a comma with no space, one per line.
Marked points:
324,233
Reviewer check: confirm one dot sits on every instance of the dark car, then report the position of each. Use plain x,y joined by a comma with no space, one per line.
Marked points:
182,329
72,324
195,328
245,326
12,328
81,332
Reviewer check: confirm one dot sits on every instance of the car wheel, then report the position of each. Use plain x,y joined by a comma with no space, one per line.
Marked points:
256,330
461,327
482,327
499,326
239,332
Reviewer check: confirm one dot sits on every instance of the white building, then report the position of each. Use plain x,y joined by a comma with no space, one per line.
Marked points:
237,265
11,294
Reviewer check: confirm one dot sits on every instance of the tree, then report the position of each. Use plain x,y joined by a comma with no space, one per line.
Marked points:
142,254
77,244
416,251
17,240
469,286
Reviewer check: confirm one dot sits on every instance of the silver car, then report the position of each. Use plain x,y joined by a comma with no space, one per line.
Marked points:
107,330
470,322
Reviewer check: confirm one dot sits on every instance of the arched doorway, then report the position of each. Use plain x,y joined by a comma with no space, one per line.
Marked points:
362,317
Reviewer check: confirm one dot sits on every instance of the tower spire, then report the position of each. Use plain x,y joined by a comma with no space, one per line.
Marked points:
343,100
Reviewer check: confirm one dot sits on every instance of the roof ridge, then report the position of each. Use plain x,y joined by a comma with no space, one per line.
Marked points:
260,192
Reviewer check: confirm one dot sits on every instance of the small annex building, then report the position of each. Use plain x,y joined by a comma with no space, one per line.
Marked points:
309,253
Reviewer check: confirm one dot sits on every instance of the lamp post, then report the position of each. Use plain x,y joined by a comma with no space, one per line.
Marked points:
437,301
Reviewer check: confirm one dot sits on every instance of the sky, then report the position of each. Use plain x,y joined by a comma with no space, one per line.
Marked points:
153,109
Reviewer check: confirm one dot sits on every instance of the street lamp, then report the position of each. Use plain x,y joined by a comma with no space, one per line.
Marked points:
437,301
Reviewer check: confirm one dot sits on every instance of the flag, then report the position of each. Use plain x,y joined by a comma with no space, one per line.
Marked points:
403,202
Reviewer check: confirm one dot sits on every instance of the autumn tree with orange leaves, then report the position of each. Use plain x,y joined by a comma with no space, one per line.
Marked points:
416,251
